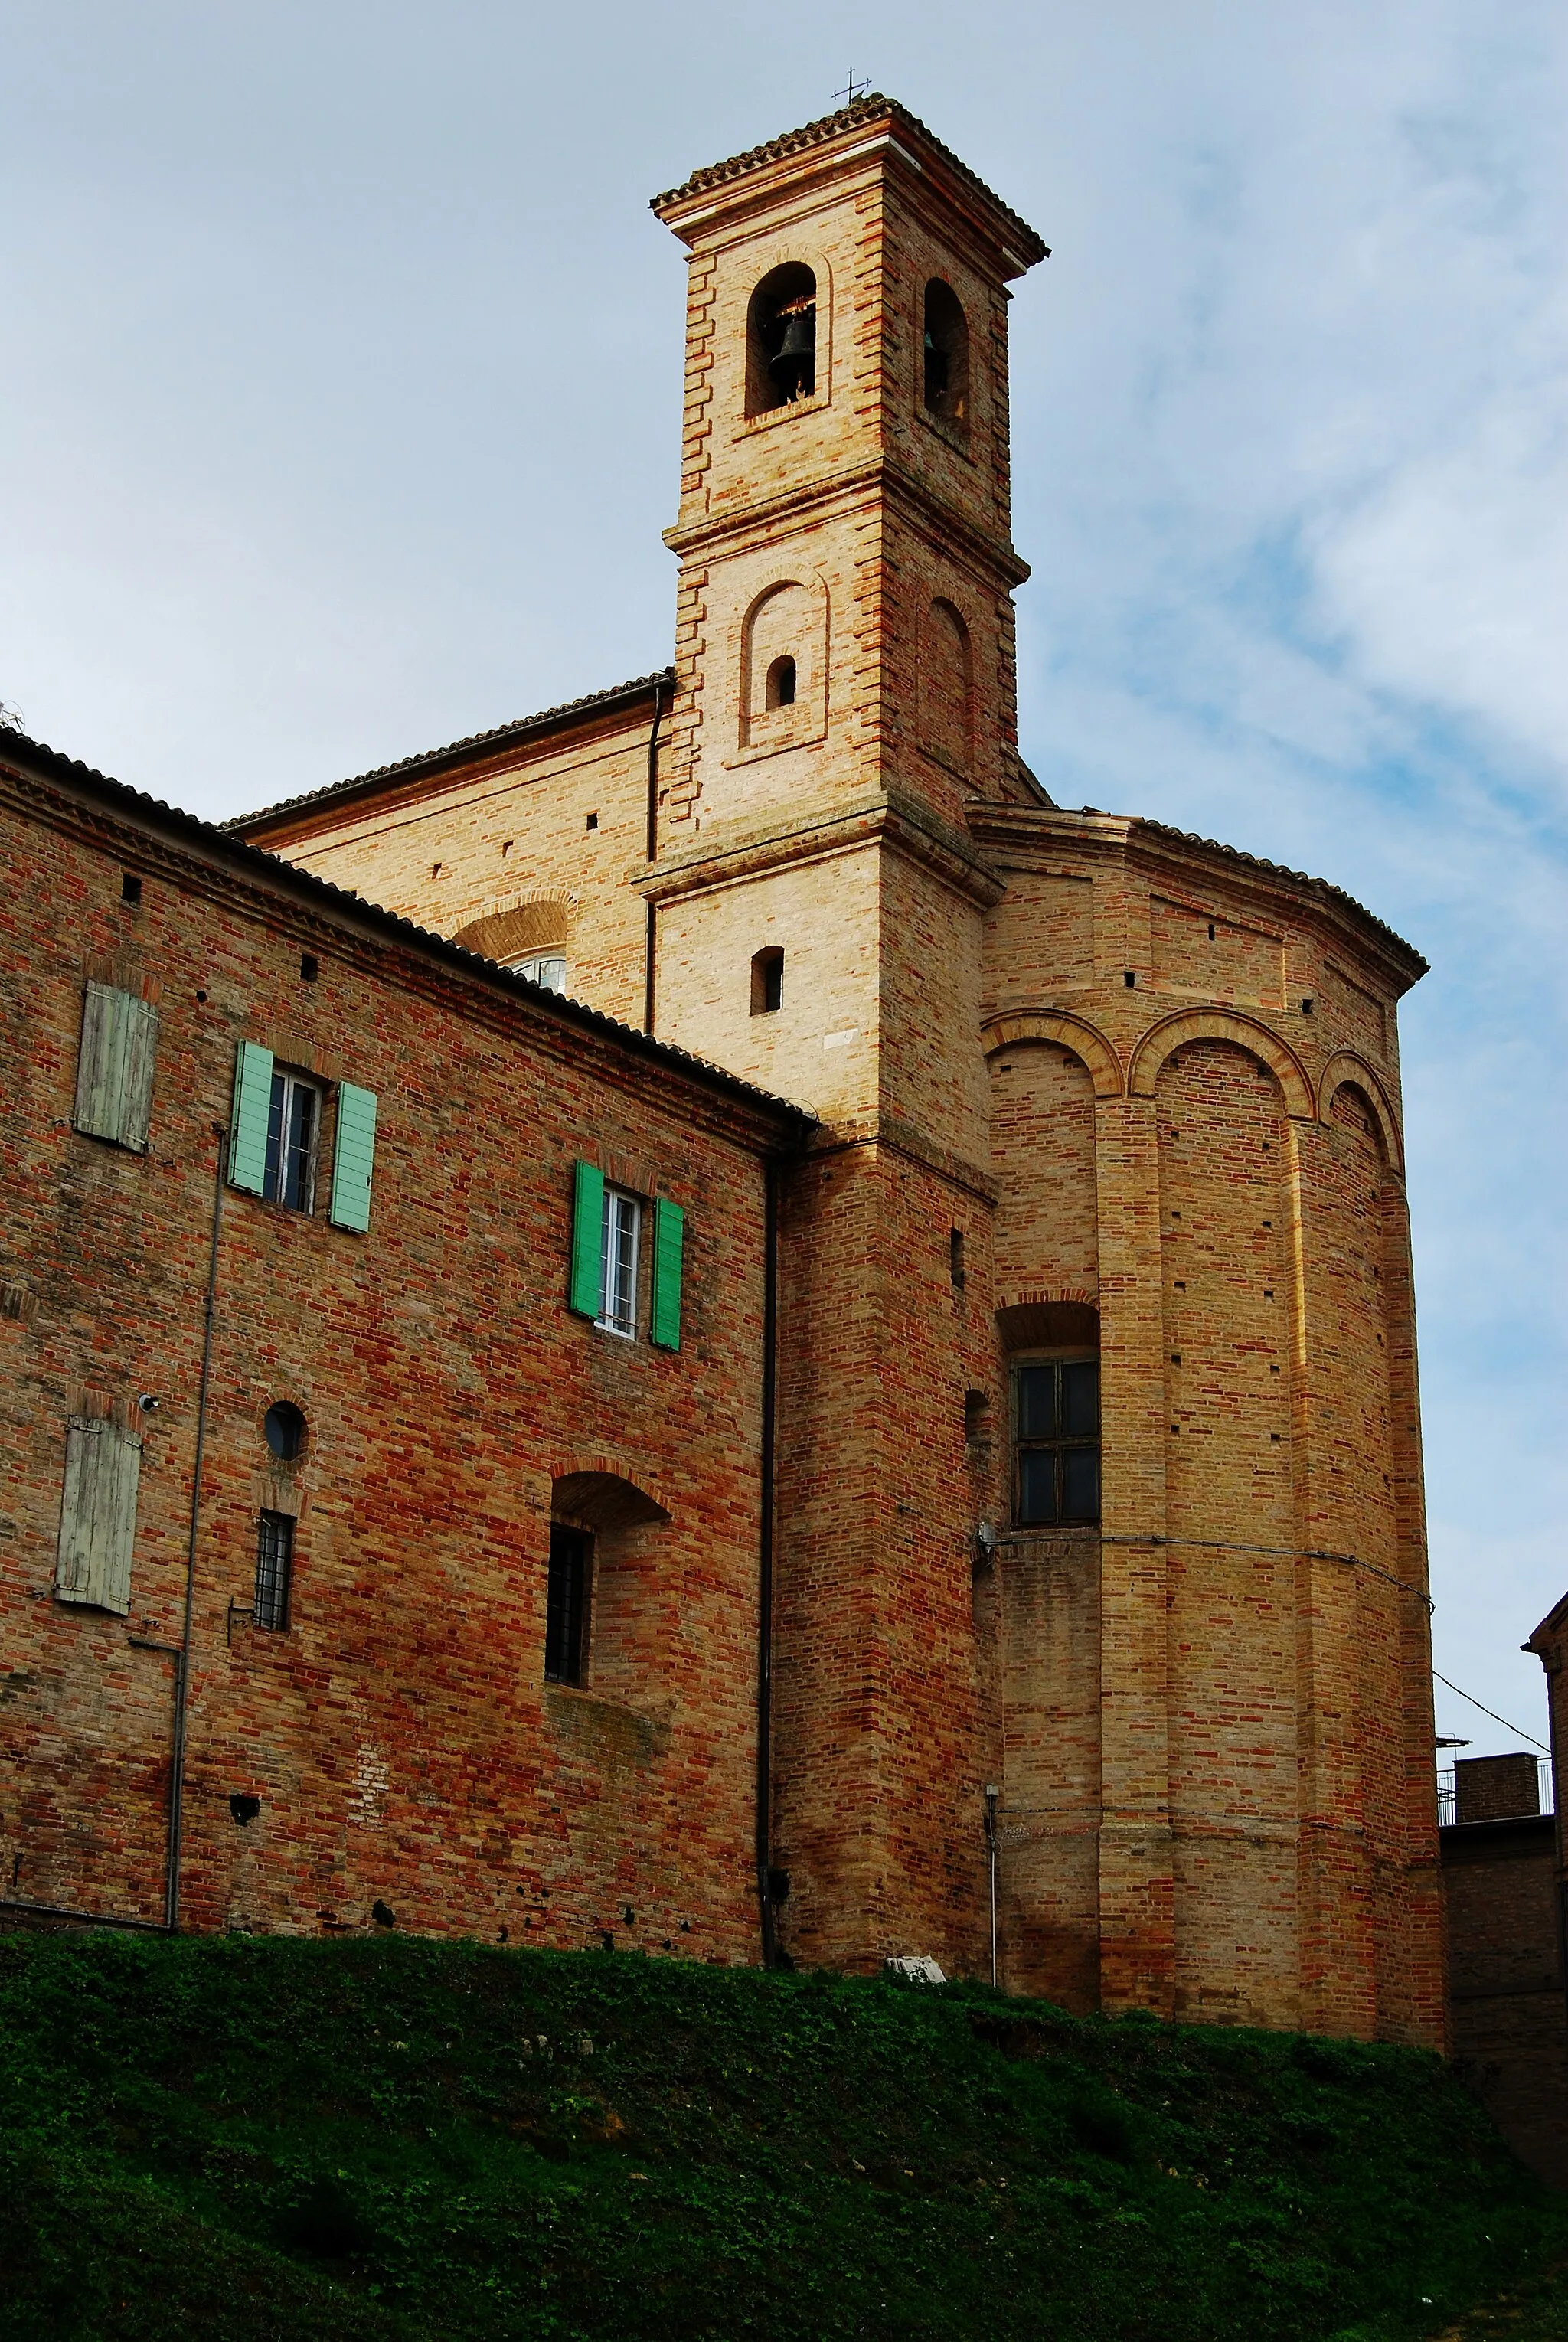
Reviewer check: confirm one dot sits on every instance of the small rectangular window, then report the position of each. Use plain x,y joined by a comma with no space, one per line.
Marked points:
567,1603
275,1567
1056,1442
289,1176
622,1232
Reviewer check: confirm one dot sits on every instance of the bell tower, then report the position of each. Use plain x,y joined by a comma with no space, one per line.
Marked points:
845,700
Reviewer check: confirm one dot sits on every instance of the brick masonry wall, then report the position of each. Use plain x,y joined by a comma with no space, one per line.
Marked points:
1215,1763
399,1736
1506,1976
507,830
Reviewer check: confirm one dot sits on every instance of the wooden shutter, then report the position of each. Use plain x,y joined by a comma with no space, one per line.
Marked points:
588,1241
114,1066
352,1158
252,1112
98,1514
669,1242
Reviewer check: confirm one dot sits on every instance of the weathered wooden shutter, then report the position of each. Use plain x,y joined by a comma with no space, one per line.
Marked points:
588,1241
114,1066
669,1244
248,1124
98,1513
352,1158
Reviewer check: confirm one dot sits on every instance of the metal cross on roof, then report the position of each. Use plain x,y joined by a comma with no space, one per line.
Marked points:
852,89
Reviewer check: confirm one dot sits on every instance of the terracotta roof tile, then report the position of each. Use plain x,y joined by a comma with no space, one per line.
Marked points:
1324,887
26,755
874,108
523,727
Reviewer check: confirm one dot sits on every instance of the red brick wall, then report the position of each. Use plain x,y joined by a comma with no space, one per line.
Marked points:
400,1737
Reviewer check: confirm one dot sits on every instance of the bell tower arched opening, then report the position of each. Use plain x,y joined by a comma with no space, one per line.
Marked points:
781,338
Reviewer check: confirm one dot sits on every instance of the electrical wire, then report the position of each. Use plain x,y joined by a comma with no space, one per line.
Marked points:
1491,1712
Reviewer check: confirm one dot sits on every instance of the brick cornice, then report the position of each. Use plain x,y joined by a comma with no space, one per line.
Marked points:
880,816
831,496
1175,855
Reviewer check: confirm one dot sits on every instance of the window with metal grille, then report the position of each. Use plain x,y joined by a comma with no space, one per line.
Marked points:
275,1567
1055,1441
623,1229
293,1123
567,1603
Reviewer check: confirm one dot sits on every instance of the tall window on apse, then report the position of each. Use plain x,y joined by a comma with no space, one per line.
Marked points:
1055,1442
781,339
945,353
567,1603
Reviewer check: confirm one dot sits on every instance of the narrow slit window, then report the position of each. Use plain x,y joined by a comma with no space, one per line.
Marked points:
781,683
622,1228
275,1570
567,1603
767,982
292,1122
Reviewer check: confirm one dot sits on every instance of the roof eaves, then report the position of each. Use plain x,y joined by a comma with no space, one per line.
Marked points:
342,900
524,727
874,108
1324,887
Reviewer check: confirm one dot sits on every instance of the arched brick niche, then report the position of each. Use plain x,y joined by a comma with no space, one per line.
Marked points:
1174,1033
512,931
1043,1154
947,685
1075,1033
1347,1071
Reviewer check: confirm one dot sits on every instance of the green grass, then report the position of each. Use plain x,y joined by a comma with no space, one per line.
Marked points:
249,2138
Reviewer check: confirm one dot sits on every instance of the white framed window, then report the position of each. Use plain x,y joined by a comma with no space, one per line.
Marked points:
294,1125
622,1232
548,969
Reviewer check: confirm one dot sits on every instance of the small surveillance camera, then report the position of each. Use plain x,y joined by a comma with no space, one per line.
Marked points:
148,1404
985,1537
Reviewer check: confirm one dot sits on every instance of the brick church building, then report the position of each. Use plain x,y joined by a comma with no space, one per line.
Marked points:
703,1323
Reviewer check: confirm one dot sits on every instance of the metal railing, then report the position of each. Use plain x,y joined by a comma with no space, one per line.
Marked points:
1448,1802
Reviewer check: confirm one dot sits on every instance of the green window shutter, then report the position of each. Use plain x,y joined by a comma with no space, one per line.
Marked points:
248,1124
588,1241
98,1514
669,1243
114,1066
352,1158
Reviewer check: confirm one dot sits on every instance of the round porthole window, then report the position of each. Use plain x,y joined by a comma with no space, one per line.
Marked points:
285,1430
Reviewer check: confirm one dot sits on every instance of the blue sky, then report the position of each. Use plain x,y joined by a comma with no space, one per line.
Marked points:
338,418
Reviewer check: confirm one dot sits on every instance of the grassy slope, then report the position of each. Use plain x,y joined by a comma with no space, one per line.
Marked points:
397,2138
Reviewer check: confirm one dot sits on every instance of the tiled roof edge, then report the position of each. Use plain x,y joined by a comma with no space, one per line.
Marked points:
1323,886
19,748
519,729
874,108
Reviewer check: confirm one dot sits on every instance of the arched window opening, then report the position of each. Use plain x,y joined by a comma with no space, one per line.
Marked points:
945,380
767,982
603,1631
781,683
548,969
781,339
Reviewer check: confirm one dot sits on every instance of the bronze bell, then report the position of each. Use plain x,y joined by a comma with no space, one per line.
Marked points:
793,364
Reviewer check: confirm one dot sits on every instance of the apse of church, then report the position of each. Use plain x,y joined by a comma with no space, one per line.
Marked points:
1095,1535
